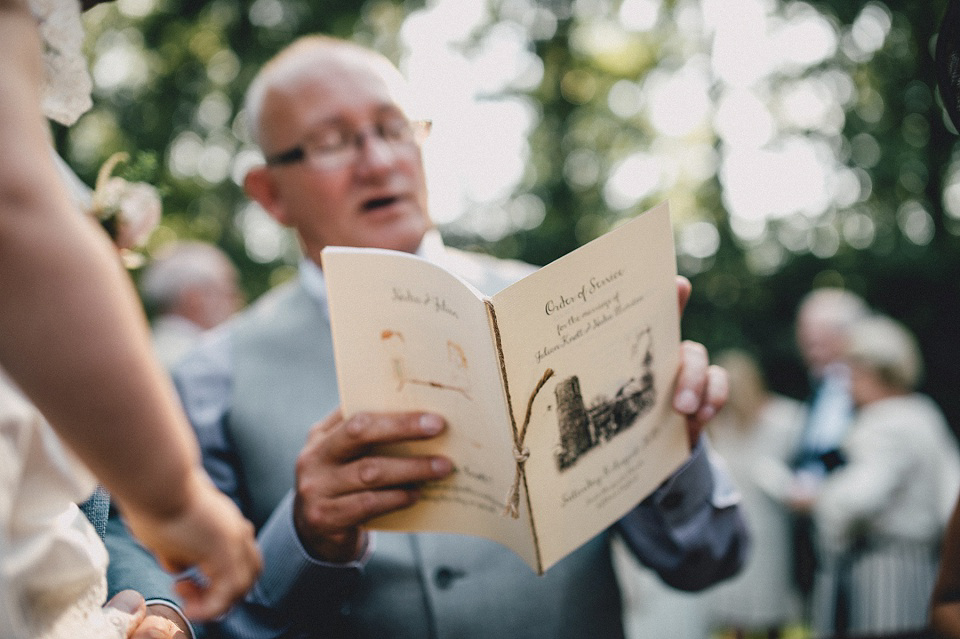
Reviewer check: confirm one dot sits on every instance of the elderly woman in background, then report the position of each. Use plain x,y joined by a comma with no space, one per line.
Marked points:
882,515
756,433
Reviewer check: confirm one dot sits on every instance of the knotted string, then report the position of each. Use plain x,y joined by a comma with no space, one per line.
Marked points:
521,453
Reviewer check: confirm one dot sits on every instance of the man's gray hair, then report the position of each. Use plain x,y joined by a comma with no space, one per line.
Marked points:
841,307
295,58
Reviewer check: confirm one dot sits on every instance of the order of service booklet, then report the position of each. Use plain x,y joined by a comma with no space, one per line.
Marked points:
556,391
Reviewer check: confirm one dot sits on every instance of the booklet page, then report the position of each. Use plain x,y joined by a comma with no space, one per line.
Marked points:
410,336
602,433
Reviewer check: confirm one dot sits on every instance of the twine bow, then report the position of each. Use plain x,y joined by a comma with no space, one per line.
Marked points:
521,453
513,497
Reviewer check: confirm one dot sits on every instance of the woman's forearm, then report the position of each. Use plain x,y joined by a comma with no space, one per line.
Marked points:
72,333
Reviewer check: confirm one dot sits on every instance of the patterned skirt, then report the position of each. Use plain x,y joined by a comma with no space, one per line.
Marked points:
883,589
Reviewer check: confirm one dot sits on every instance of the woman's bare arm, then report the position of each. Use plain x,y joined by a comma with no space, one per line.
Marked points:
75,340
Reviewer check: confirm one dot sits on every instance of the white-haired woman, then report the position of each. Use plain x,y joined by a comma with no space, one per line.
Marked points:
882,515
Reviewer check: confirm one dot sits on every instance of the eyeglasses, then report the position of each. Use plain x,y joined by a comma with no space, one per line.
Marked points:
335,147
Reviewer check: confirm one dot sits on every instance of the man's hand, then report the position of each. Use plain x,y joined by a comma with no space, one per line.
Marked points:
141,624
208,533
342,480
159,611
702,388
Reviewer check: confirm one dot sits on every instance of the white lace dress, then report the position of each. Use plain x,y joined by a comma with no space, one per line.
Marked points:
67,85
52,563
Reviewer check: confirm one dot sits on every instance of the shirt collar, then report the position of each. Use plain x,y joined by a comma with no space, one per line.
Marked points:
311,278
431,246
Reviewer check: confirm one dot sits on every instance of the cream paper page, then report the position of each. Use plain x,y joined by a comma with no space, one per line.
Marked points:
410,336
602,433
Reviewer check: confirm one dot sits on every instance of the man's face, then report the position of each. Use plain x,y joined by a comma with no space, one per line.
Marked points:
379,198
866,386
220,297
820,341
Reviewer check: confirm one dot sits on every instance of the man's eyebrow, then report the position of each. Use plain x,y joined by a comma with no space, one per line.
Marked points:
326,123
391,109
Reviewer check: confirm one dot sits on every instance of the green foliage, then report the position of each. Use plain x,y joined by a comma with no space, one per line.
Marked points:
178,94
142,167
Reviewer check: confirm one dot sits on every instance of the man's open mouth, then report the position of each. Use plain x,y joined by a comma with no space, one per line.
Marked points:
376,203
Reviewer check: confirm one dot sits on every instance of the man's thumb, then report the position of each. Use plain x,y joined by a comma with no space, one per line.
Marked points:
128,601
126,610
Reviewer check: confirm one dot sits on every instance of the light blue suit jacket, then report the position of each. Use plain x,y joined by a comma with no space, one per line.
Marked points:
254,389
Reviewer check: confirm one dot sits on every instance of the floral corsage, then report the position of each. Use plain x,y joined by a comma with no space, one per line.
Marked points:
128,210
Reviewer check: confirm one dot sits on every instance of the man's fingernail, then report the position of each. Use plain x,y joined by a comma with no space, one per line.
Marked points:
441,466
431,424
357,423
686,402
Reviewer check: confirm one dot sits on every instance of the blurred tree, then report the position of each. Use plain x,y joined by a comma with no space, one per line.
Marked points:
883,226
799,143
170,77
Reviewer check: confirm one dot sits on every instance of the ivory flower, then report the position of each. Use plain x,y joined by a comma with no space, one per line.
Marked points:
128,210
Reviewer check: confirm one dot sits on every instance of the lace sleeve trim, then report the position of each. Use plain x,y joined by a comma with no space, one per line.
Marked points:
67,83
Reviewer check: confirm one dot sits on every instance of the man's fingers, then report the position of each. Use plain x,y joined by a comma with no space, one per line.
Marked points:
702,388
692,379
164,610
343,480
381,472
353,493
353,437
329,423
717,392
154,627
127,608
684,289
334,516
714,397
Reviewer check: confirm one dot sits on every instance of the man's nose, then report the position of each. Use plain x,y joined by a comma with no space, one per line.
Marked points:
374,151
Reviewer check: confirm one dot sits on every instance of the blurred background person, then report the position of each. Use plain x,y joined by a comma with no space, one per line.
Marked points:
756,434
650,607
880,516
945,602
188,287
823,321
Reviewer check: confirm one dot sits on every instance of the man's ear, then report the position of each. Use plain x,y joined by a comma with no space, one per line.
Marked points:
260,186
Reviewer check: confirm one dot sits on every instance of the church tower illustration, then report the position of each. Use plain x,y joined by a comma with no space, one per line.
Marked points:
574,423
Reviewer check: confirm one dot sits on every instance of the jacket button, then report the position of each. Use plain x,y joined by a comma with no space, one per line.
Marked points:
444,577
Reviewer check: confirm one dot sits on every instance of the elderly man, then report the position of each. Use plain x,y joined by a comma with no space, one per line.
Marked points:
343,167
824,318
